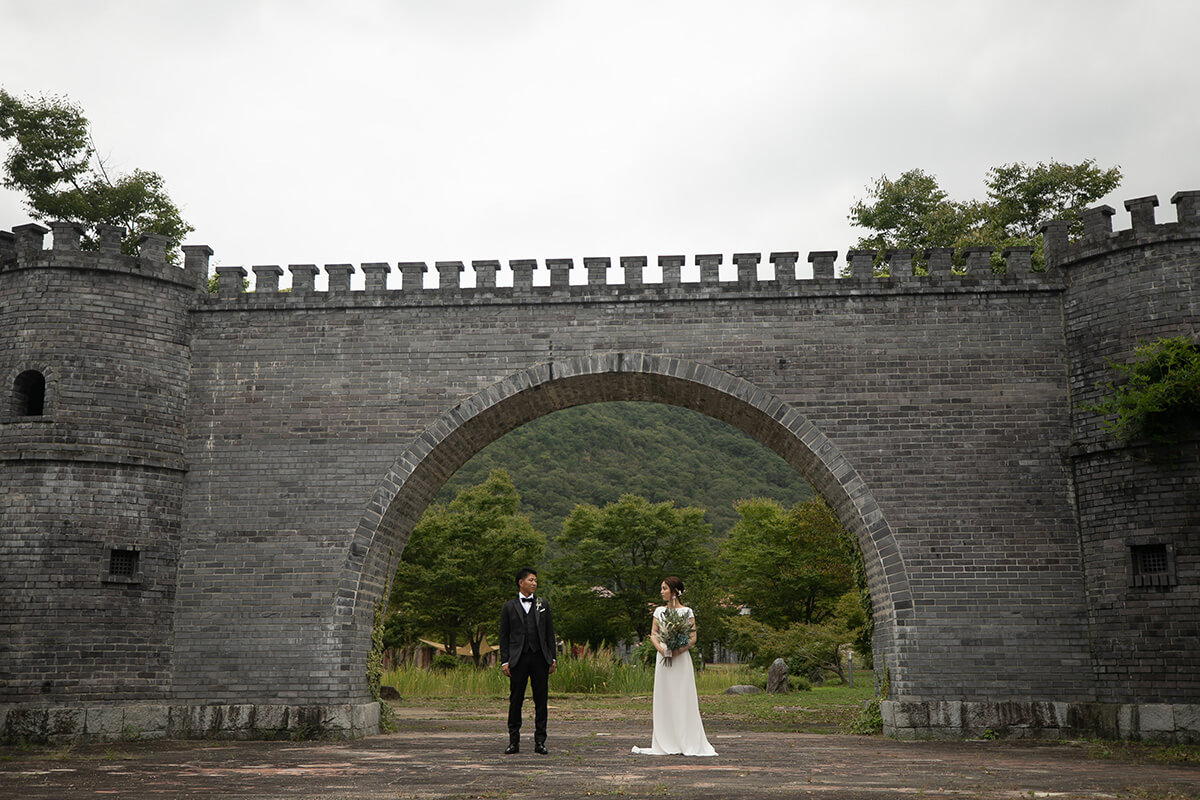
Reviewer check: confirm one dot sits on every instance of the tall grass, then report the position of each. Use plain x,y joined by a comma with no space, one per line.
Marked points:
591,673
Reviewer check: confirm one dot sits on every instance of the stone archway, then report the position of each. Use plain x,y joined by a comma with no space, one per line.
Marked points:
415,477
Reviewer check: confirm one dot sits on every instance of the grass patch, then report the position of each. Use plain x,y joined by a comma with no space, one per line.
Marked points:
825,709
591,674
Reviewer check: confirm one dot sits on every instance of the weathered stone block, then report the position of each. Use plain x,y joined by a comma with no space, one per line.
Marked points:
146,721
887,710
946,714
1156,718
365,717
104,722
28,723
1187,723
911,715
66,722
271,717
338,719
238,718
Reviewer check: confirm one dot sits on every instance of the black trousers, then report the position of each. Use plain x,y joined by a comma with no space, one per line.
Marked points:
531,668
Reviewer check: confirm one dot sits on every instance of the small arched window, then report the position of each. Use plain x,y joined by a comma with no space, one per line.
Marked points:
29,394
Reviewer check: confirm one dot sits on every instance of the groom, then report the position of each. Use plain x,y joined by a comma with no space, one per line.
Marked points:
527,653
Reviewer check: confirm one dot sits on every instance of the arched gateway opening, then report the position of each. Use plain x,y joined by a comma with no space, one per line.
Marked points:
416,476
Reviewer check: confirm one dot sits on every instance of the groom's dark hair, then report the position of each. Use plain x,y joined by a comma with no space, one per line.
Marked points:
523,571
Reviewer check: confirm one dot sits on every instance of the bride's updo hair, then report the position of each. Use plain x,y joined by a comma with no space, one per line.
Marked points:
674,584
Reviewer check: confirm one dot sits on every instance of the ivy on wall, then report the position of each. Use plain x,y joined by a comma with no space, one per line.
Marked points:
1157,395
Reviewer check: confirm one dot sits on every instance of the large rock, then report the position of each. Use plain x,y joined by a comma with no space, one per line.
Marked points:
743,688
777,677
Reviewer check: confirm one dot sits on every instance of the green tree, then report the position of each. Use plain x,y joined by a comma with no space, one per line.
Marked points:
913,211
620,553
52,160
787,565
460,563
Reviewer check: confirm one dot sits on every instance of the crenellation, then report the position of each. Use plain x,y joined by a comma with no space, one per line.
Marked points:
1054,240
1097,222
340,276
560,272
485,274
822,265
304,277
8,245
900,262
230,281
597,271
861,263
449,274
66,235
1187,208
375,276
412,275
195,260
266,277
978,260
747,267
522,270
30,238
1018,260
634,268
672,269
153,247
1141,213
109,238
939,261
709,265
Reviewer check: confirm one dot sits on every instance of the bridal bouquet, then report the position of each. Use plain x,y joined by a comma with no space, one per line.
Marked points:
674,631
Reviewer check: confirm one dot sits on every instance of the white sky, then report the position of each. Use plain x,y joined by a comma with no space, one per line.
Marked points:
440,130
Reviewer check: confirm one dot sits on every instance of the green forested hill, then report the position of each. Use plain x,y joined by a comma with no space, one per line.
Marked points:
595,453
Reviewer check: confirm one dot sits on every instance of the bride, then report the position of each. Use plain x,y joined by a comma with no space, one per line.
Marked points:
677,725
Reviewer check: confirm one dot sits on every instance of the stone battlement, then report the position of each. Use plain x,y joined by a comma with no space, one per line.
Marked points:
25,247
1098,235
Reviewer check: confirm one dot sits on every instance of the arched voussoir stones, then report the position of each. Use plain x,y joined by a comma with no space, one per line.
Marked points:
434,455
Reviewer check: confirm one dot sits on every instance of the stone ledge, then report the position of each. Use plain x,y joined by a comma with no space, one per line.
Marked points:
102,723
1163,723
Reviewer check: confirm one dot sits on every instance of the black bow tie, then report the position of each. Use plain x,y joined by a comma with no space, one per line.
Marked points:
526,599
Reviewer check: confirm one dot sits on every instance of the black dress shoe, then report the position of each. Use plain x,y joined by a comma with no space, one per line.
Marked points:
540,748
512,748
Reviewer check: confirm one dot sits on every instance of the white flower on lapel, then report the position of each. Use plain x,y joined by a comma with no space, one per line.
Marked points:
540,605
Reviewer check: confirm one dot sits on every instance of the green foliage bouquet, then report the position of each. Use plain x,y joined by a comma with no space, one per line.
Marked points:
674,631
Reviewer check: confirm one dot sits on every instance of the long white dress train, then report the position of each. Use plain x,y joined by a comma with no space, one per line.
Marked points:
678,729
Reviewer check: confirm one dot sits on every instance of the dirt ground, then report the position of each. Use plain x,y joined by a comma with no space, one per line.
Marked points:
463,758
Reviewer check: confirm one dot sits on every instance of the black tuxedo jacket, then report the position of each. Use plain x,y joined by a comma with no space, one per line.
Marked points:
512,631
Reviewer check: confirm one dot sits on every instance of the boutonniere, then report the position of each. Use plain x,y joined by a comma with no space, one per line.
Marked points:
540,605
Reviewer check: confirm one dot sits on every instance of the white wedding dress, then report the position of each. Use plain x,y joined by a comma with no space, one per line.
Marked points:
677,726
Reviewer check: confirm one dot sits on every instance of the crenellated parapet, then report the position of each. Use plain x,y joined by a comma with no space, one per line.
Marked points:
1100,238
627,277
25,248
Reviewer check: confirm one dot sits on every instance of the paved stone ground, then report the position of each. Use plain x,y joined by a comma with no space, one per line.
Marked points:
463,759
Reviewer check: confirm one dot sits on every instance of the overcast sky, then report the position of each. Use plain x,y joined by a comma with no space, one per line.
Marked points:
351,132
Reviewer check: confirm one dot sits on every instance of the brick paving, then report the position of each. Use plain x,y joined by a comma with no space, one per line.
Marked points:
428,759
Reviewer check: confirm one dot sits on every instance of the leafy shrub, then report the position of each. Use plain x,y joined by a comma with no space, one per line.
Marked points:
1157,395
869,721
443,662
